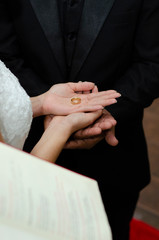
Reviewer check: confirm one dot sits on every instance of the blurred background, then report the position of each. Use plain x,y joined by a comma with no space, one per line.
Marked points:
148,206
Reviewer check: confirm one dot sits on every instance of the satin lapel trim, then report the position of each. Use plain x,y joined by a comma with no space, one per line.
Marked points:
47,14
94,15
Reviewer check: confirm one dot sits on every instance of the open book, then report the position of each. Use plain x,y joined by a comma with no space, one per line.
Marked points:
40,201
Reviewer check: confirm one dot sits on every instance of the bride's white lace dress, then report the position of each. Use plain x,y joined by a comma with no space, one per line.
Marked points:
15,109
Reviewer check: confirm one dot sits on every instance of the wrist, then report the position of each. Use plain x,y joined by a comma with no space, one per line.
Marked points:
51,143
65,130
37,105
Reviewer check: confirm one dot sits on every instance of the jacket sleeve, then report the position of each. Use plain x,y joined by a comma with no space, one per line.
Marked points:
12,56
139,85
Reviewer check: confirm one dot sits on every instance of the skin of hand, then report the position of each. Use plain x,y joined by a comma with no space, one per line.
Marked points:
86,138
58,130
57,100
86,143
104,127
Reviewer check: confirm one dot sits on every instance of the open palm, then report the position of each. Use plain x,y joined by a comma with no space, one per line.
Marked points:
57,100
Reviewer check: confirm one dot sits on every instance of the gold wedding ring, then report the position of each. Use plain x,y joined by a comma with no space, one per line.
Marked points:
75,100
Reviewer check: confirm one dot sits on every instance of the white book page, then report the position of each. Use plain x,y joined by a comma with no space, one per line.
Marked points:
48,200
12,233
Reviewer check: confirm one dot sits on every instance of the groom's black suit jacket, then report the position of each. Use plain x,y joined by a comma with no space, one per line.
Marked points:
117,48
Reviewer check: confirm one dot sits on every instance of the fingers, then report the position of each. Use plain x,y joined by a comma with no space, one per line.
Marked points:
84,87
83,144
86,92
88,108
104,94
105,126
94,97
95,89
93,105
87,132
106,122
91,117
110,137
100,98
95,101
80,92
81,120
81,86
104,102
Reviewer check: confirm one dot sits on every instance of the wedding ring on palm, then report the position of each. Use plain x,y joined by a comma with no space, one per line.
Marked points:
75,100
62,99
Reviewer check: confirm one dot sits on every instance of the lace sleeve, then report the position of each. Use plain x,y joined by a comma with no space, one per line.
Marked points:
15,109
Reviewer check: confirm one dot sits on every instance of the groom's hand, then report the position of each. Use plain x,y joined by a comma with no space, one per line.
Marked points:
86,143
89,137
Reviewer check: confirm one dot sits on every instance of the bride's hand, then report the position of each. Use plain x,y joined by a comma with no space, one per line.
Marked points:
72,122
57,100
58,131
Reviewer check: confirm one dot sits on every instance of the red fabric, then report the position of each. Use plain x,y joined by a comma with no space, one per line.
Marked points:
142,231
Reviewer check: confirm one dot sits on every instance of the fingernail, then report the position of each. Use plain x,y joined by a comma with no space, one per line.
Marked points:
114,101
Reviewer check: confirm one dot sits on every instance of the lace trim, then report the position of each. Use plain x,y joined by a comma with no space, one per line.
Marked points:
15,109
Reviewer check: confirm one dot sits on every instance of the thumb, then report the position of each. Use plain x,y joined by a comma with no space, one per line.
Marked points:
110,137
82,86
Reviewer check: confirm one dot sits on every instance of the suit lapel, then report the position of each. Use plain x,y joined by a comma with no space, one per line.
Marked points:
47,14
94,14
